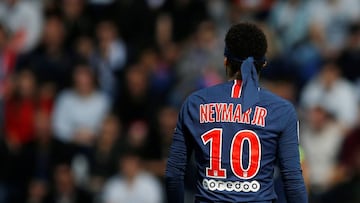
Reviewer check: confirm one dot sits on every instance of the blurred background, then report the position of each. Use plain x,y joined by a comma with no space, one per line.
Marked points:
90,91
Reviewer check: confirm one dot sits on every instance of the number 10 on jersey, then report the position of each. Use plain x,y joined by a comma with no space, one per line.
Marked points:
214,138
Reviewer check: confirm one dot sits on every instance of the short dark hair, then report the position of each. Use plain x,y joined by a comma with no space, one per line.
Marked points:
244,40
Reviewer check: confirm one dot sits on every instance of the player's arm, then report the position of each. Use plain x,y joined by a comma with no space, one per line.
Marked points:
180,152
289,159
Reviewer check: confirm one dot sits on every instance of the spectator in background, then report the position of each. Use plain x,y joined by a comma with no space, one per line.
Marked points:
349,156
46,97
163,30
24,20
37,192
51,62
305,59
34,159
335,93
321,140
101,9
80,110
301,46
349,59
7,63
13,179
132,184
249,9
186,16
162,75
135,101
20,108
101,2
331,18
65,189
85,48
158,66
110,58
143,139
45,151
167,118
198,68
218,12
107,148
347,172
138,137
16,167
165,124
138,30
76,20
290,20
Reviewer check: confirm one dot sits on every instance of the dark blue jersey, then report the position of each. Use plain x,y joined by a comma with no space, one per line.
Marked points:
235,149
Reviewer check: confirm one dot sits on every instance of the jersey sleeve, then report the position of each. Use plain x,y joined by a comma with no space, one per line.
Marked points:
289,160
179,155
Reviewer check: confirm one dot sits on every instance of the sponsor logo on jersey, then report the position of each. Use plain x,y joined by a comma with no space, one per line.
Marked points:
231,186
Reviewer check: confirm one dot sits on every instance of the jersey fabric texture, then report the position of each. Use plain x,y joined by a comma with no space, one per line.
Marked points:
235,149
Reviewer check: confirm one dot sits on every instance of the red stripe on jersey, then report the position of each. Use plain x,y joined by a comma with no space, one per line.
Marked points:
236,89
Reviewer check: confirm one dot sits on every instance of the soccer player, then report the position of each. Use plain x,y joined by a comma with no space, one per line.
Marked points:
237,131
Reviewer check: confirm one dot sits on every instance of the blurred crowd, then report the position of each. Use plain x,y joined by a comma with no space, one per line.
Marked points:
90,91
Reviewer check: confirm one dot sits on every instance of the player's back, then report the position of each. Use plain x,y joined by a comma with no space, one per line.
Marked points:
235,149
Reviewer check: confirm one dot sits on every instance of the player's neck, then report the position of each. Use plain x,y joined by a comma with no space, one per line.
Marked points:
234,78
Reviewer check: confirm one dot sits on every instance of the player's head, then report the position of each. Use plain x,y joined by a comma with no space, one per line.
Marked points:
244,40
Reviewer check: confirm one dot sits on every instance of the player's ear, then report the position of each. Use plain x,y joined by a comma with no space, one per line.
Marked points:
225,62
264,64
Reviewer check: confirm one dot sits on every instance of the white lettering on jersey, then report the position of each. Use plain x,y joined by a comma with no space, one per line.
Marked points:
231,186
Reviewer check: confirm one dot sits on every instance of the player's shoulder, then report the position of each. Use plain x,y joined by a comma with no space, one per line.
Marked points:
208,93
